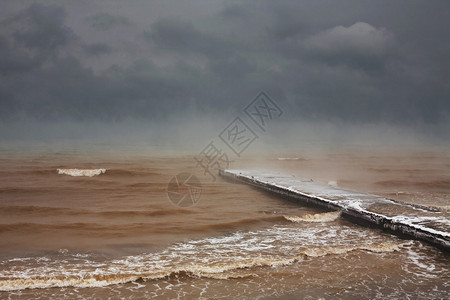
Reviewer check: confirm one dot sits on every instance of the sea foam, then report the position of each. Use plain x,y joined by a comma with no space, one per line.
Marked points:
322,217
81,172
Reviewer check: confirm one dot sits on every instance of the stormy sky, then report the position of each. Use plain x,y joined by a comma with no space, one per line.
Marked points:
343,62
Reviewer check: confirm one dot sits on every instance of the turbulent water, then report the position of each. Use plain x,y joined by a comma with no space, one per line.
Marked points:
88,226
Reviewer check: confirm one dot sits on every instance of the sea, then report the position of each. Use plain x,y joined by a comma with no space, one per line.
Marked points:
102,225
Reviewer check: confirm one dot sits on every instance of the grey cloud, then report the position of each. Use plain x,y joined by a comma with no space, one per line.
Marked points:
97,49
358,39
67,90
235,67
234,11
33,36
182,37
105,21
12,61
42,27
319,59
359,45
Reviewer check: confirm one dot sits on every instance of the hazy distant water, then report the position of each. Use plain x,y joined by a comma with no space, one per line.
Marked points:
118,235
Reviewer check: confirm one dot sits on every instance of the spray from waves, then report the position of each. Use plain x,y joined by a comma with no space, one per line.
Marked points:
322,217
232,256
81,172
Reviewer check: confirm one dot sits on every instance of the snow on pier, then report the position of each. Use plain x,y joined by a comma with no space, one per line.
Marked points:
414,221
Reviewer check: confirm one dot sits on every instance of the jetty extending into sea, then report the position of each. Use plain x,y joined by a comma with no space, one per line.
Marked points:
404,219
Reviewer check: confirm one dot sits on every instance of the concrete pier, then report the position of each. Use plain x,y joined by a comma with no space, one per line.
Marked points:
404,219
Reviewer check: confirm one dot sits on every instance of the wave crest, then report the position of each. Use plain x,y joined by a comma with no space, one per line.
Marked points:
217,270
322,217
81,172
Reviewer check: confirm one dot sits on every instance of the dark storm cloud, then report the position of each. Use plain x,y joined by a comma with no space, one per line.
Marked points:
235,67
234,11
41,27
97,49
31,37
351,61
82,95
359,45
104,21
29,40
11,61
182,37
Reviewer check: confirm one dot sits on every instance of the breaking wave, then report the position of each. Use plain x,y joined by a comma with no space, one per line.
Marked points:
237,255
81,172
322,217
130,270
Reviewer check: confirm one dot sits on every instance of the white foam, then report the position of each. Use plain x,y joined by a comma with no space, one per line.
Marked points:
278,245
81,172
288,158
323,217
332,183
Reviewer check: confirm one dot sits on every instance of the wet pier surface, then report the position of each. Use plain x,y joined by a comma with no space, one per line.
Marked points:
407,220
